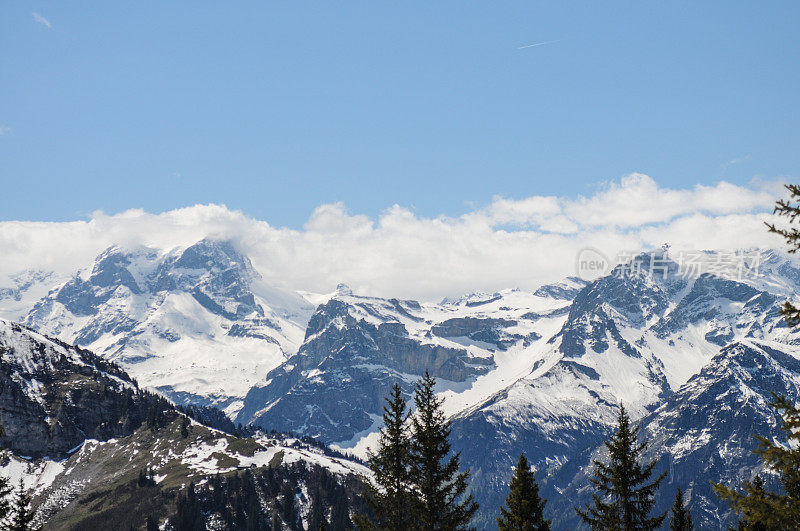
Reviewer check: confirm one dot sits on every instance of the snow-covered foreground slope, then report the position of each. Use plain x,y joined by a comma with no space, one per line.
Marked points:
96,452
53,395
197,323
69,489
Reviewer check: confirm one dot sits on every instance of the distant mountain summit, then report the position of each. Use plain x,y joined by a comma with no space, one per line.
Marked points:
196,323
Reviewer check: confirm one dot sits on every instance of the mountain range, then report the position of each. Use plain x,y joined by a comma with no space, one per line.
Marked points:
693,355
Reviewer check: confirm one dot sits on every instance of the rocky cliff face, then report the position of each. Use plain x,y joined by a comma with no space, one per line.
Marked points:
196,323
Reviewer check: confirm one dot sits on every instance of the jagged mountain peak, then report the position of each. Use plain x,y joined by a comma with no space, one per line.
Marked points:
20,291
343,289
703,432
475,298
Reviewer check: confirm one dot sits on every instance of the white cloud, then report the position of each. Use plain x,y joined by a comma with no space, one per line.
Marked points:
635,201
39,19
510,243
4,130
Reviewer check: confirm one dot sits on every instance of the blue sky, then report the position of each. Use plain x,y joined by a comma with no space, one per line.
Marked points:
277,108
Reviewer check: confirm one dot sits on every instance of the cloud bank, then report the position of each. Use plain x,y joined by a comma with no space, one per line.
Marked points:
508,243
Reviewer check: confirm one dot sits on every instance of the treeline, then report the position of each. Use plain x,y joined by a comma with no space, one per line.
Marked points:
268,499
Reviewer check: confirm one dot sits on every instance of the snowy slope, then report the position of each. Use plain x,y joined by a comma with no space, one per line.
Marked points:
19,292
633,338
53,395
541,372
68,490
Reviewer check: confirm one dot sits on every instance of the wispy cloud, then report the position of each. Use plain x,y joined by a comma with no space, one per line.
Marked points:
535,44
41,20
737,160
4,130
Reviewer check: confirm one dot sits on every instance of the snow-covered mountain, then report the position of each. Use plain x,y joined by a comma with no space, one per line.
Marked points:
19,292
197,323
635,338
53,395
357,347
703,433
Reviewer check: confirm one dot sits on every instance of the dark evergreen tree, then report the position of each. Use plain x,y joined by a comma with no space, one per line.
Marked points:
184,427
146,478
624,495
317,516
276,522
756,505
525,507
5,490
791,210
22,517
154,417
750,520
152,523
340,513
189,516
288,505
443,503
681,519
391,500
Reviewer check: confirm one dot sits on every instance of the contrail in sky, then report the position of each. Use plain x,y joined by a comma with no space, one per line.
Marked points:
535,44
